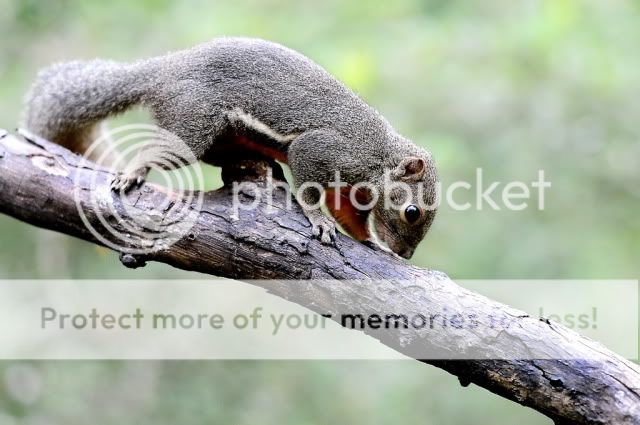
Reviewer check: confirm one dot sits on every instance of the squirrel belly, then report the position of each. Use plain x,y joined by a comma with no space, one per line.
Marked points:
246,144
249,136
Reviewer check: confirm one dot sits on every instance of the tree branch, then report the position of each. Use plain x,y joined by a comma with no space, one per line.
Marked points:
587,384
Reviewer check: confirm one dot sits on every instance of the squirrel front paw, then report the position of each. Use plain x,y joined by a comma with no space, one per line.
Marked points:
323,228
125,181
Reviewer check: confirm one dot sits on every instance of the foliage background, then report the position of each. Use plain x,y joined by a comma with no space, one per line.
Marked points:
512,87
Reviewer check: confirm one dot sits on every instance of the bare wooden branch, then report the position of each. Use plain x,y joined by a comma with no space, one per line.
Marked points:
586,385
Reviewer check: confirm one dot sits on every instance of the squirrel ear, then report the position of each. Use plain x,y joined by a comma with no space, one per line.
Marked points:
410,169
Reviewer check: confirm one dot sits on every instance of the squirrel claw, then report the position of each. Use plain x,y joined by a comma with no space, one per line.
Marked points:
126,181
324,228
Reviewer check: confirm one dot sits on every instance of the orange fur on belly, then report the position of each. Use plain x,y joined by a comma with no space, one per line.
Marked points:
267,151
352,219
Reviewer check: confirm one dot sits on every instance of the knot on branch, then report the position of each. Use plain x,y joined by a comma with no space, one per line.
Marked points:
132,261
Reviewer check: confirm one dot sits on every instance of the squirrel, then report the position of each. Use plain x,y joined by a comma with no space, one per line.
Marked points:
253,96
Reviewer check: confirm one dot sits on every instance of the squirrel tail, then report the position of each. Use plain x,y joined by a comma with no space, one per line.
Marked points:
68,101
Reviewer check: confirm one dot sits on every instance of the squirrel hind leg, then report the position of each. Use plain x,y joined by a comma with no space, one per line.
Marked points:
195,131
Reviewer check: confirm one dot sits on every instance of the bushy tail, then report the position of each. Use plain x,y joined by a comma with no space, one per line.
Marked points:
68,101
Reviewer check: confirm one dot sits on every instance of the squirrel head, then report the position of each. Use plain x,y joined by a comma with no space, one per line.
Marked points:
406,204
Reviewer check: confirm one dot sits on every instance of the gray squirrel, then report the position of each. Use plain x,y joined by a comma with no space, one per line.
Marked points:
257,97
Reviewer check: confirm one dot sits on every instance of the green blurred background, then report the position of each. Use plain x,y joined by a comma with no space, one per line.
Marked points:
508,86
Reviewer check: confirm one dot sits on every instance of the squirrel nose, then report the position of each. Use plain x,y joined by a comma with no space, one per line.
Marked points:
406,253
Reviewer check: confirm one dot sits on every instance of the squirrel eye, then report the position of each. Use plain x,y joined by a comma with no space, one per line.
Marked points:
411,214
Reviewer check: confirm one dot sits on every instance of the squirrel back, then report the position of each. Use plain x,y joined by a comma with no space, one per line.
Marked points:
196,93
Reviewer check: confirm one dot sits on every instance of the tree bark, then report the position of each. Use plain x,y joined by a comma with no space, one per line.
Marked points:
545,366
